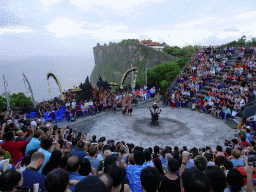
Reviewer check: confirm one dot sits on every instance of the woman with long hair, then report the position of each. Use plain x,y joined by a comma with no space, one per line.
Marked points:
158,164
53,163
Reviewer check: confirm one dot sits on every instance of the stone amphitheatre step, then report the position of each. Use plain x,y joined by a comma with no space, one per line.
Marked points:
204,91
208,88
202,96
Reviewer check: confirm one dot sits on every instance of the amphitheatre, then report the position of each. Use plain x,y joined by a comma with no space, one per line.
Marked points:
177,127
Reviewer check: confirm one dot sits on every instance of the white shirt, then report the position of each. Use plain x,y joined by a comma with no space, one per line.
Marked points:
33,123
242,103
73,105
210,103
90,103
83,107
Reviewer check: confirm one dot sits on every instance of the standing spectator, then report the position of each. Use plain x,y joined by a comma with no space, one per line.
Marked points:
236,158
116,173
85,168
217,177
91,183
100,147
80,150
46,145
53,163
235,181
158,166
23,135
31,175
150,179
195,180
11,180
94,139
95,163
34,143
171,182
73,165
34,122
134,171
57,180
13,147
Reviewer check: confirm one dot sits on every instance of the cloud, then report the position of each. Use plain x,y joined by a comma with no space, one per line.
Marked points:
119,7
48,3
227,29
66,27
15,29
247,15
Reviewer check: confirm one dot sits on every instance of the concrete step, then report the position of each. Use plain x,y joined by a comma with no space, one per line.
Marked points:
200,95
204,91
208,88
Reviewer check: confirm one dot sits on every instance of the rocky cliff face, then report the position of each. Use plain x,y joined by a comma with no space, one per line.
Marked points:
111,61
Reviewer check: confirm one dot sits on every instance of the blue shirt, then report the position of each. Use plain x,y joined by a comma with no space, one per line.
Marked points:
162,160
33,144
248,135
47,156
30,177
79,152
148,164
237,162
75,176
133,174
95,163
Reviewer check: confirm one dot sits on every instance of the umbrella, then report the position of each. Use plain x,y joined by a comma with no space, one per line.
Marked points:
76,89
113,83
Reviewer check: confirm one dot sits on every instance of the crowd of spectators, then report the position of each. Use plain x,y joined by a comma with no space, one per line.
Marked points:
50,158
39,156
230,89
71,107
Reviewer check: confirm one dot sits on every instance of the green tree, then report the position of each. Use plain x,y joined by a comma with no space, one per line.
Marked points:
164,85
16,101
3,103
166,71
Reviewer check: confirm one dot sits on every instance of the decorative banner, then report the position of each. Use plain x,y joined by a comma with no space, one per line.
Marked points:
125,75
7,92
30,89
51,74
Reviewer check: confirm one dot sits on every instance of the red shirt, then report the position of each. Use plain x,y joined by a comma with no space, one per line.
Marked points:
78,108
13,147
241,170
244,144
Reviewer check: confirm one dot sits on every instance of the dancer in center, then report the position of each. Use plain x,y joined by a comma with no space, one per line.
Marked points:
129,107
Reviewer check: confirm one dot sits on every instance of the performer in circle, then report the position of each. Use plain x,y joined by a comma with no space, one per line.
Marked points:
129,107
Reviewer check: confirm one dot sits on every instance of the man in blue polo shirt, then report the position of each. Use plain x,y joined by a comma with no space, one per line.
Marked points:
31,175
34,143
79,150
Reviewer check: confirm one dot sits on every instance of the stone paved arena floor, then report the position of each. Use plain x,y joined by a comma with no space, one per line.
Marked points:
176,127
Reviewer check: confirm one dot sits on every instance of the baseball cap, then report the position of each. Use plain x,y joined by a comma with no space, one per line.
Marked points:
90,184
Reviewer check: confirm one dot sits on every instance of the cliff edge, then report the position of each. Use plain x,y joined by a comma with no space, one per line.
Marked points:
111,61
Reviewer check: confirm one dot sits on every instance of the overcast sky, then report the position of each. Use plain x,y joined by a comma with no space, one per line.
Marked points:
38,36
